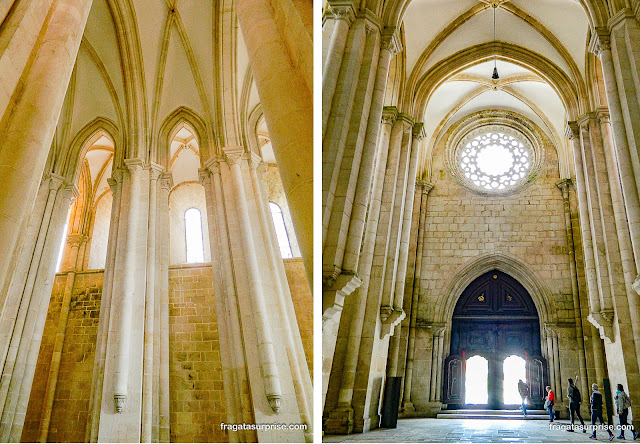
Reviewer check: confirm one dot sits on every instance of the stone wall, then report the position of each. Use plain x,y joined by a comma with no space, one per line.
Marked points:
303,305
71,406
196,389
195,381
462,225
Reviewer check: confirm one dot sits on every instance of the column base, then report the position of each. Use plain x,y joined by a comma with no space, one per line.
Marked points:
339,422
408,410
363,425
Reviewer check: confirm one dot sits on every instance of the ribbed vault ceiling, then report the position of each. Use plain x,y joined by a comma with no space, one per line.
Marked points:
435,30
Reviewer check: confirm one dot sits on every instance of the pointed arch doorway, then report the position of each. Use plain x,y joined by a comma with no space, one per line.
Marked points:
495,325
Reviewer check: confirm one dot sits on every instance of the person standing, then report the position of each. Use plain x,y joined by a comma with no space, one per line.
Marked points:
575,398
525,392
596,410
623,402
549,401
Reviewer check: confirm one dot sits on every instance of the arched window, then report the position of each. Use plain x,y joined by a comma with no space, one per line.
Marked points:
193,233
281,231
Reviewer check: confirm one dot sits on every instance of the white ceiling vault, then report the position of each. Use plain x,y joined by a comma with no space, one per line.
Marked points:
141,60
440,33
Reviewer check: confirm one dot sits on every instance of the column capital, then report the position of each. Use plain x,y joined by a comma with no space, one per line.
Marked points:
620,17
371,20
389,115
406,119
55,181
584,120
254,159
563,185
550,329
166,180
134,165
602,113
71,192
155,170
213,164
233,154
425,185
572,130
390,40
418,131
341,10
600,41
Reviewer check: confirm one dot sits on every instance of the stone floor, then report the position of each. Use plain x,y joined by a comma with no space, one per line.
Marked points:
473,430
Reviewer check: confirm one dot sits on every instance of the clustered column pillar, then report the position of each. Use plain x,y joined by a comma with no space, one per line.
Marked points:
407,404
287,100
40,55
27,301
614,46
252,297
565,187
352,116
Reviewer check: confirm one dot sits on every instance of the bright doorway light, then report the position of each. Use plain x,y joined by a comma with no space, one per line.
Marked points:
514,370
476,378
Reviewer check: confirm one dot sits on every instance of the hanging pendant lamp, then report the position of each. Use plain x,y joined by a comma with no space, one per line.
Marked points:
495,75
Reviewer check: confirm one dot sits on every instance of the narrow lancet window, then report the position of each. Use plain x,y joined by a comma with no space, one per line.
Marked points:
193,232
281,231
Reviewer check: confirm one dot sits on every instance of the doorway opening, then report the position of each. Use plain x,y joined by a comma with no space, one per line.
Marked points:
476,381
513,369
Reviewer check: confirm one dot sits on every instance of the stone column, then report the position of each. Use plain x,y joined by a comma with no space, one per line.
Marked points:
56,357
234,372
120,416
548,329
364,263
166,183
616,127
27,303
95,399
342,16
434,367
436,362
266,355
287,101
124,319
293,343
556,363
564,186
407,405
41,55
573,133
403,256
150,302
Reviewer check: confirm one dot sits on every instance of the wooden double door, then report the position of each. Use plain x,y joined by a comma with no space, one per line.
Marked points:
495,318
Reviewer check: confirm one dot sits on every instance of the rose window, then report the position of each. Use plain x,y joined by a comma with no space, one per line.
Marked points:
495,161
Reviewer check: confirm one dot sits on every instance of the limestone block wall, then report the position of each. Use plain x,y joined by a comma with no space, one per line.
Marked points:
462,225
196,390
302,303
71,406
195,374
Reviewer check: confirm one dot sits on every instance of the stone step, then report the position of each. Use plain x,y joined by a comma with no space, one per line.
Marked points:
493,414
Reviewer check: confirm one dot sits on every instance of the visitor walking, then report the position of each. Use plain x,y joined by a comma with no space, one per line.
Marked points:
575,398
549,400
623,402
525,392
596,410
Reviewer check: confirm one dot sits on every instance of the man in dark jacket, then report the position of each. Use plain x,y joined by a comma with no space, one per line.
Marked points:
596,410
575,398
